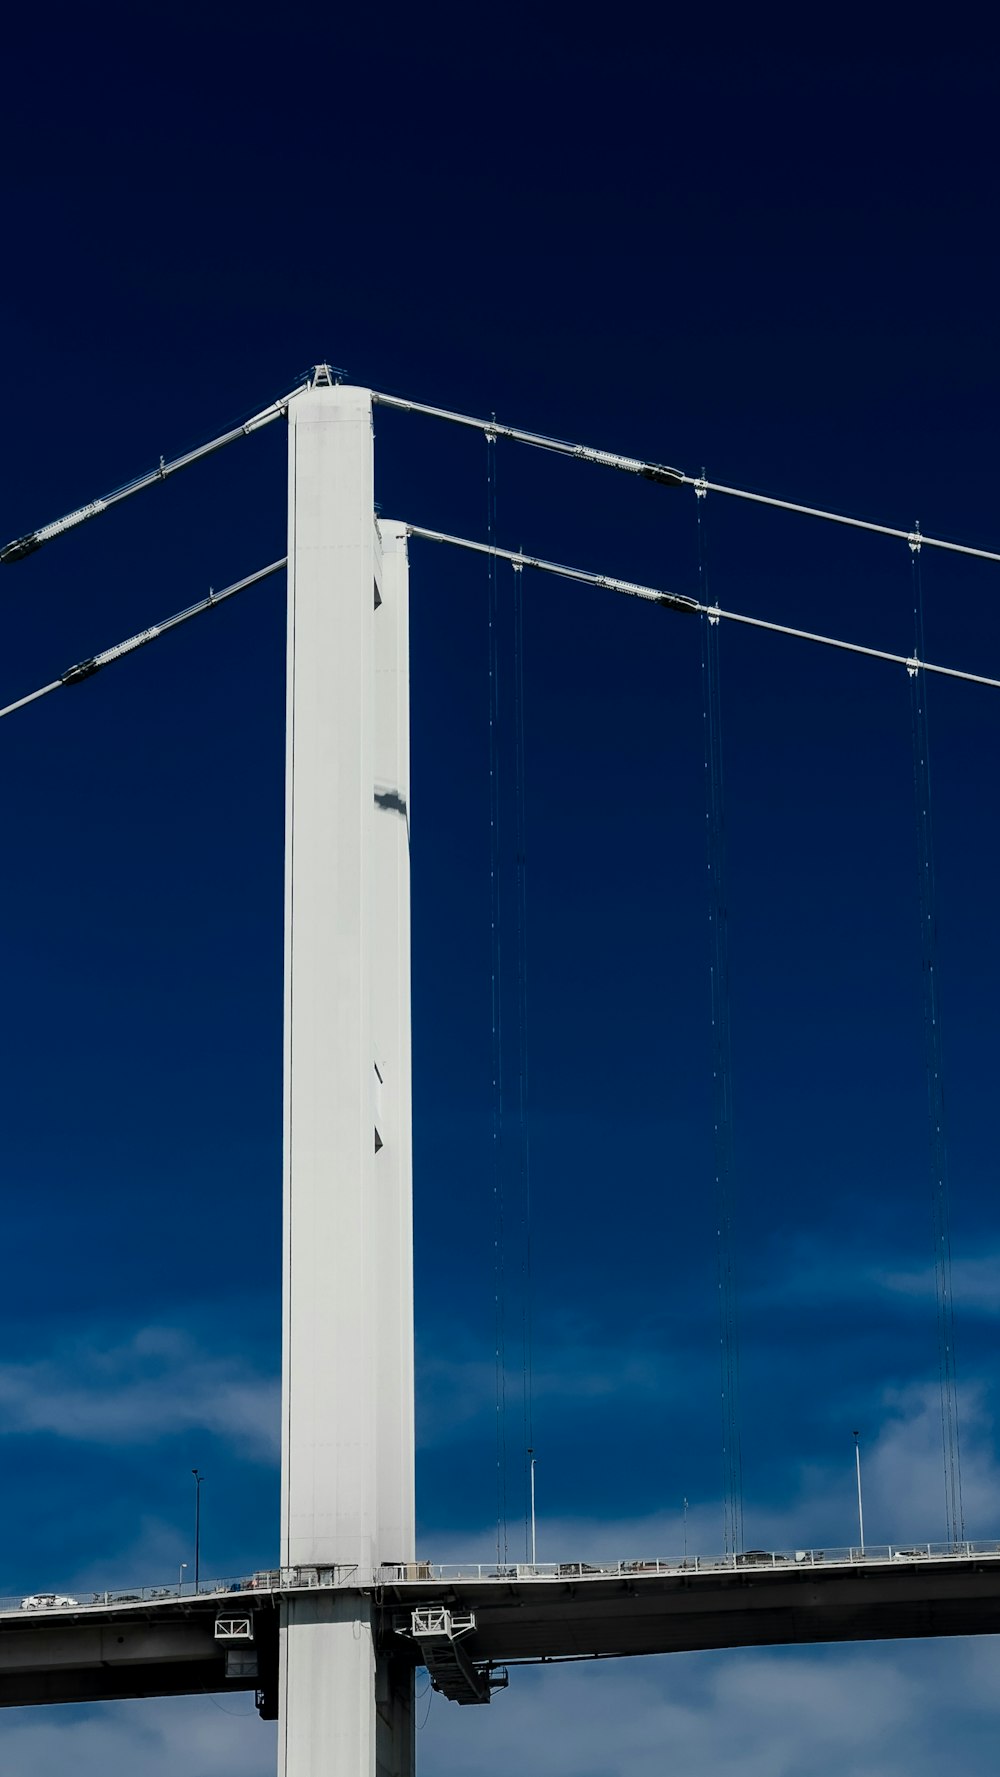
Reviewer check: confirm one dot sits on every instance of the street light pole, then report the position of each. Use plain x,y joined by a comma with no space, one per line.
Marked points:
533,1551
198,1479
861,1514
180,1576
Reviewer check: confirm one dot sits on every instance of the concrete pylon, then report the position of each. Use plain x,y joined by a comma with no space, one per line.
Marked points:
347,1497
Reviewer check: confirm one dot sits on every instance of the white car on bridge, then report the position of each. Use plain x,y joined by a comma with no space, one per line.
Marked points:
47,1601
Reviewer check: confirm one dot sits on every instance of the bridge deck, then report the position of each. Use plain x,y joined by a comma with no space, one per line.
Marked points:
655,1613
140,1645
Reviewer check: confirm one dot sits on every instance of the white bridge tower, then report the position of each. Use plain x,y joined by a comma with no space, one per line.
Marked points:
347,1460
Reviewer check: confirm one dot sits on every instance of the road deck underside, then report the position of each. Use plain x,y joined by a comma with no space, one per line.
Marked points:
658,1614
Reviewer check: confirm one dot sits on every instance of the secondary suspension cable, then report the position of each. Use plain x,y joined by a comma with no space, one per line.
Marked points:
85,669
934,1061
32,540
678,601
674,601
667,477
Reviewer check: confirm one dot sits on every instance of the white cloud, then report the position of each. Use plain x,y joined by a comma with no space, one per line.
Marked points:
899,1711
454,1392
151,1557
904,1710
156,1384
201,1736
903,1476
975,1283
801,1271
904,1471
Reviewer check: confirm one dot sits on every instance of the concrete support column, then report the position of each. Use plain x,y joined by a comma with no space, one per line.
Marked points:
326,1688
393,1187
393,1194
328,1401
347,1382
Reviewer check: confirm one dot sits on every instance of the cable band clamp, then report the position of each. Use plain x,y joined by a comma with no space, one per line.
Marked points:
59,525
87,668
120,648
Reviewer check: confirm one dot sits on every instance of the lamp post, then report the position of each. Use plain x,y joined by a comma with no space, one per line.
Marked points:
861,1514
198,1479
533,1552
180,1576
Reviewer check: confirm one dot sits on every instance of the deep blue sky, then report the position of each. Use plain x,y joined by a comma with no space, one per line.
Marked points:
771,258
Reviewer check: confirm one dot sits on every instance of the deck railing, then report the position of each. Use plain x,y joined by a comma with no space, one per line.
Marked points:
296,1579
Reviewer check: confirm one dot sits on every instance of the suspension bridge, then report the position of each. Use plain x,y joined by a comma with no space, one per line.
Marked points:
329,1641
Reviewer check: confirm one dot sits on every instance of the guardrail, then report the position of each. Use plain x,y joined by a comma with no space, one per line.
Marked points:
266,1580
872,1554
297,1579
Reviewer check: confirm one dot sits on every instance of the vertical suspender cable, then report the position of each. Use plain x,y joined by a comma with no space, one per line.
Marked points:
722,1069
524,1148
933,1049
499,1232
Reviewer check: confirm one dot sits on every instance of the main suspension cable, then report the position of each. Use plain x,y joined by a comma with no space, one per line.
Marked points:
85,669
855,524
322,374
26,545
677,601
584,453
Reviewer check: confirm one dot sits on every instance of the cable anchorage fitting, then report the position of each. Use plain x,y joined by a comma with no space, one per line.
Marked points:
663,476
674,601
610,459
266,415
22,546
